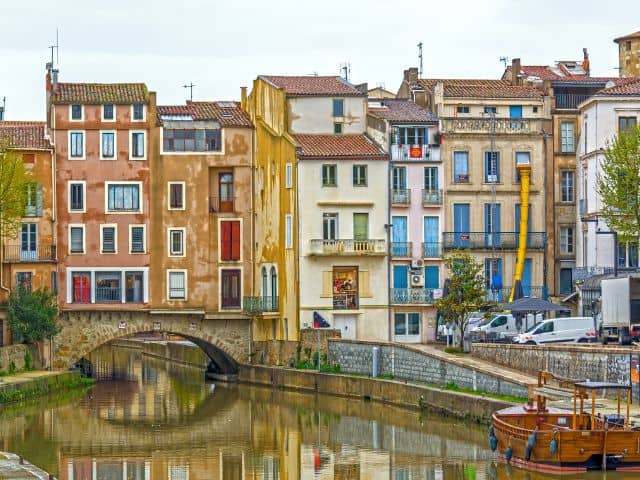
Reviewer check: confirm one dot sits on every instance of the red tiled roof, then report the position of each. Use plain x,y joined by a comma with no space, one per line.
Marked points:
481,88
311,85
24,135
627,37
543,72
100,93
401,110
337,146
630,87
229,114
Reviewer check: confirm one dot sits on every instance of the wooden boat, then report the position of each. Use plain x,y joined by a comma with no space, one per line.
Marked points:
549,439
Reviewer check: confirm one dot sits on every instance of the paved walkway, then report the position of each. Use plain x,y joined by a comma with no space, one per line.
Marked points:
24,377
12,469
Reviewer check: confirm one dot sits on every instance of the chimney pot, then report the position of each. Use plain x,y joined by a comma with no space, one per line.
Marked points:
243,98
516,69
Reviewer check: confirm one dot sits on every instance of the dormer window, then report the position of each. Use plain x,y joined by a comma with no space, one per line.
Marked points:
108,112
338,107
76,112
138,112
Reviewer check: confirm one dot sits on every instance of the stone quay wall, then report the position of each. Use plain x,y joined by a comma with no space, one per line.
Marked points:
16,353
408,363
280,352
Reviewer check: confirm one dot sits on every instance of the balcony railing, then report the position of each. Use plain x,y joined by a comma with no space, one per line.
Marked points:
108,294
401,249
260,304
570,100
580,273
431,197
483,125
345,301
501,295
412,296
222,204
348,247
431,250
15,254
430,153
400,197
582,206
487,241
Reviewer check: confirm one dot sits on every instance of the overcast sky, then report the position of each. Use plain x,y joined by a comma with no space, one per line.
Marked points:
220,45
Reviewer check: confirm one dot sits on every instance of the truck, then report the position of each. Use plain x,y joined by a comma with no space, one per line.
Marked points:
620,309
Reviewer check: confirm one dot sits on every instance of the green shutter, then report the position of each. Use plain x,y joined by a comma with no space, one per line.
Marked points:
360,226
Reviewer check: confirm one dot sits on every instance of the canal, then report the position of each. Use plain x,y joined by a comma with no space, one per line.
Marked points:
150,419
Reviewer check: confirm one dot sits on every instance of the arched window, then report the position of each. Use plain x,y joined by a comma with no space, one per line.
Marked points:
274,288
265,284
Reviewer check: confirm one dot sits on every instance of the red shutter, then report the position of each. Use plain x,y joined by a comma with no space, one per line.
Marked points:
225,236
235,240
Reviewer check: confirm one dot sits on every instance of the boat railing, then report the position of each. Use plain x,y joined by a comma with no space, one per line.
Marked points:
512,430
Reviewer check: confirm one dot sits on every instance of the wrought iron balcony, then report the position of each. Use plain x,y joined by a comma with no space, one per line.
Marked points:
346,301
260,304
431,249
401,249
501,295
488,241
580,273
421,153
483,125
108,294
412,296
348,247
431,197
15,254
400,197
222,204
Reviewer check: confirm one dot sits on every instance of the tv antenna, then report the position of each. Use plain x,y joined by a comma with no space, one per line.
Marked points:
420,57
505,61
190,87
2,109
55,47
345,68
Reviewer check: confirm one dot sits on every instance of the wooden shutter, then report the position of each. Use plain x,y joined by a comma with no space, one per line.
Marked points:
225,236
327,284
235,240
364,281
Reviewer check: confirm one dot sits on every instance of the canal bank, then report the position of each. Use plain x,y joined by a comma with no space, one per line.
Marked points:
27,385
13,466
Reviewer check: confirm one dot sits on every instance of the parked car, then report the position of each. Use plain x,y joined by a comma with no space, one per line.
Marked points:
491,328
567,329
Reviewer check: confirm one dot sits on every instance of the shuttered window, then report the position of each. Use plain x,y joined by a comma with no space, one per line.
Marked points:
137,239
176,196
108,240
176,242
76,197
76,239
230,240
177,285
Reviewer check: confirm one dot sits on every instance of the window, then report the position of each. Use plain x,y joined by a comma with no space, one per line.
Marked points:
406,323
230,240
431,179
137,238
566,240
76,196
522,158
412,135
29,241
462,109
288,231
492,167
177,284
627,255
107,145
329,174
76,238
338,107
76,112
345,288
33,208
337,127
288,175
81,287
123,197
627,44
108,239
461,167
138,111
176,242
76,145
176,195
108,287
191,140
137,146
567,182
535,109
567,144
566,281
230,289
626,124
108,112
23,280
490,110
134,287
359,175
329,226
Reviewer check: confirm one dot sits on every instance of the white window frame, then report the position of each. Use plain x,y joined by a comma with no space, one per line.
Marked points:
115,238
144,133
115,145
114,112
359,167
232,268
84,145
84,238
184,195
288,231
84,196
92,274
144,112
144,238
573,186
71,119
116,212
573,137
288,175
566,251
186,284
183,230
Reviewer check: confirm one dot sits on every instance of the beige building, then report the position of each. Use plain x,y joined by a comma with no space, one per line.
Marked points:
629,54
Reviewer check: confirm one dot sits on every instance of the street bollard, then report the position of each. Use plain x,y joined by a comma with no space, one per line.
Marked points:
375,359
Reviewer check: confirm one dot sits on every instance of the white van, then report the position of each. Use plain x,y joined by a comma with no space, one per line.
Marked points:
495,326
564,329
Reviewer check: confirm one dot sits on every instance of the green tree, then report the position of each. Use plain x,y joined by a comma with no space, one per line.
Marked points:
14,179
32,315
618,184
467,292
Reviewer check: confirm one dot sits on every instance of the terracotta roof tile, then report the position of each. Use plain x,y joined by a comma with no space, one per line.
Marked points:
24,135
311,85
338,146
628,37
401,110
481,88
229,114
630,87
100,93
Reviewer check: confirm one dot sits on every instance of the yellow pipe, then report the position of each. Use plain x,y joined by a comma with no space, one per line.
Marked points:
525,174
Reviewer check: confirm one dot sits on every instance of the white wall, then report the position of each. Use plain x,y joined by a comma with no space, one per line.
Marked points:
314,115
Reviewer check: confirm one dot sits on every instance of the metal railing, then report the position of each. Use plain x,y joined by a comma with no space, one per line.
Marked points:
431,197
412,296
483,125
570,100
431,249
15,254
484,240
345,301
429,153
348,247
108,294
580,273
400,197
260,304
401,249
222,204
501,295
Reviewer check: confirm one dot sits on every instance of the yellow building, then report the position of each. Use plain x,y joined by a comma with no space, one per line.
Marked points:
629,54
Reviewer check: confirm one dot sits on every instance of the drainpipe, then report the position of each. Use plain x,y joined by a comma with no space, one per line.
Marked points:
545,136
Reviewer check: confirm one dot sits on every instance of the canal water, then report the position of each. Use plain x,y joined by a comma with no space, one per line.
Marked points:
149,419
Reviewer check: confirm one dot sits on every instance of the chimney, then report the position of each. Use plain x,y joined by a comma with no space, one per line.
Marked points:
243,98
411,75
47,77
585,63
54,80
362,88
516,69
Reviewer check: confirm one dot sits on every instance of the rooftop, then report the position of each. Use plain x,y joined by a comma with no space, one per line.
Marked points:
24,135
628,37
338,146
481,88
100,93
400,110
629,87
311,85
229,114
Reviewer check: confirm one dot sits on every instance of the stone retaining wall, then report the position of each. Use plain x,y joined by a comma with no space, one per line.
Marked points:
404,362
16,353
280,352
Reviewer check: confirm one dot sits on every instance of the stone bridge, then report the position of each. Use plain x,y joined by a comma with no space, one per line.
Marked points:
227,342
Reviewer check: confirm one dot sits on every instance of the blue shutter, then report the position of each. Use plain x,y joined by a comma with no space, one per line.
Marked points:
526,278
461,222
492,236
399,236
432,276
431,236
400,275
515,111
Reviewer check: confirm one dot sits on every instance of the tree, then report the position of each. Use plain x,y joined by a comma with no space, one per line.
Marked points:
618,184
466,290
32,315
14,180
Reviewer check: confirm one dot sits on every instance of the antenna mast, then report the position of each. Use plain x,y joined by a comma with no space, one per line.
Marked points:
190,87
345,68
57,49
420,57
2,109
505,61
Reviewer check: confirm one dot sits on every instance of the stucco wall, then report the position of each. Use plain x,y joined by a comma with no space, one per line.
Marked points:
314,115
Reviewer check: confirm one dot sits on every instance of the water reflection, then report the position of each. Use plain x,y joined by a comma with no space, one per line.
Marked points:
148,419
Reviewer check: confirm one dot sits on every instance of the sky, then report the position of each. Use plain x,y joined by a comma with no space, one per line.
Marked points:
221,45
